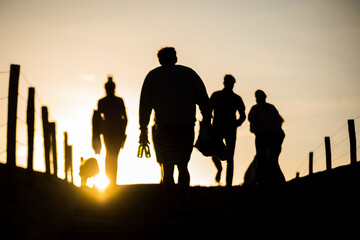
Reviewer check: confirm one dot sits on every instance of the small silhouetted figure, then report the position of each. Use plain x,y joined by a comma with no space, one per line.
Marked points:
173,91
88,168
265,123
226,104
113,127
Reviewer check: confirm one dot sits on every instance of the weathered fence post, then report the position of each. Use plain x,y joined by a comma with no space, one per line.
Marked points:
65,156
46,132
12,110
328,153
30,120
69,153
352,137
11,131
311,155
68,158
52,127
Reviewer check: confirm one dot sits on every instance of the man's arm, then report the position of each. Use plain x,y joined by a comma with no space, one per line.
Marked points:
145,108
100,106
252,119
212,102
124,115
202,99
241,110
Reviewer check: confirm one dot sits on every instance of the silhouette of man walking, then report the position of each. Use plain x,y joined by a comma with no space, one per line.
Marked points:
226,104
113,127
173,91
265,123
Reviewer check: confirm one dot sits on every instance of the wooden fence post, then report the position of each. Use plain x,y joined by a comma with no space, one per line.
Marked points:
46,132
65,156
30,120
52,127
70,163
328,153
11,132
352,137
12,110
68,158
311,155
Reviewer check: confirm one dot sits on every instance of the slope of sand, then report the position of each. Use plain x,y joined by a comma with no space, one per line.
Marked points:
325,204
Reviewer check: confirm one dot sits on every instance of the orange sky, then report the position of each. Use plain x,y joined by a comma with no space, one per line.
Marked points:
304,54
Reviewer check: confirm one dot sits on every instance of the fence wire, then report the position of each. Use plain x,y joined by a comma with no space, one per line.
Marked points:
340,150
4,77
21,130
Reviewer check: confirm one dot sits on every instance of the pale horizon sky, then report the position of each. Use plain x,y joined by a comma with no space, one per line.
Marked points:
304,54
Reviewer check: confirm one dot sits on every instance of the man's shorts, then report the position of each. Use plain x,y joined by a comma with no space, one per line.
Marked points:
173,143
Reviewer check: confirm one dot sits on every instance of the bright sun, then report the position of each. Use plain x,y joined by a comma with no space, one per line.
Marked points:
100,181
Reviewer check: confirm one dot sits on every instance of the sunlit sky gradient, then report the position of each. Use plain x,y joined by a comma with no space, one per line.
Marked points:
304,54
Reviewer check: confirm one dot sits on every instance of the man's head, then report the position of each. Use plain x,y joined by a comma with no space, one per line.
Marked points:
229,81
110,86
260,96
167,56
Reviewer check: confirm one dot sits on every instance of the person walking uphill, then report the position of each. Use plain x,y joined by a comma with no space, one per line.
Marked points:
265,123
113,122
173,91
225,104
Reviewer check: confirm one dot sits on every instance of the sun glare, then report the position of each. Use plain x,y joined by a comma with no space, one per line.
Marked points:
101,182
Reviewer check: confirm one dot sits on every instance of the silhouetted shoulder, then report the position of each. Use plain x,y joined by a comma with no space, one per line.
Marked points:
108,99
172,68
240,103
264,117
215,94
172,73
184,68
272,108
111,105
223,98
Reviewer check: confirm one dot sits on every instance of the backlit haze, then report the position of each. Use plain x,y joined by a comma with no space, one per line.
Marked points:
304,54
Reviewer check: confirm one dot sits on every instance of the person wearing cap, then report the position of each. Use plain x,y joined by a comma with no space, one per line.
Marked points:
225,104
173,91
266,124
113,127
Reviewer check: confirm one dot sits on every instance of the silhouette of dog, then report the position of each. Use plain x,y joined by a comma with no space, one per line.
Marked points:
88,168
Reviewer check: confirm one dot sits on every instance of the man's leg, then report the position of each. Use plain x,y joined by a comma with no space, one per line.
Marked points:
218,166
183,183
169,188
230,144
111,168
111,160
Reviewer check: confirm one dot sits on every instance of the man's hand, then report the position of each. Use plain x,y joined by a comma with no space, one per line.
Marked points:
241,120
143,139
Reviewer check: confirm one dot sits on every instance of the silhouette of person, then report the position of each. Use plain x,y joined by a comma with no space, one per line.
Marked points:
226,104
113,128
265,123
173,91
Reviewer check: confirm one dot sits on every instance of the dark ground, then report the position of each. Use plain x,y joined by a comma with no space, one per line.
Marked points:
325,204
39,208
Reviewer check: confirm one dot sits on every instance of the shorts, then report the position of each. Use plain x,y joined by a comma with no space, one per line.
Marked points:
173,143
